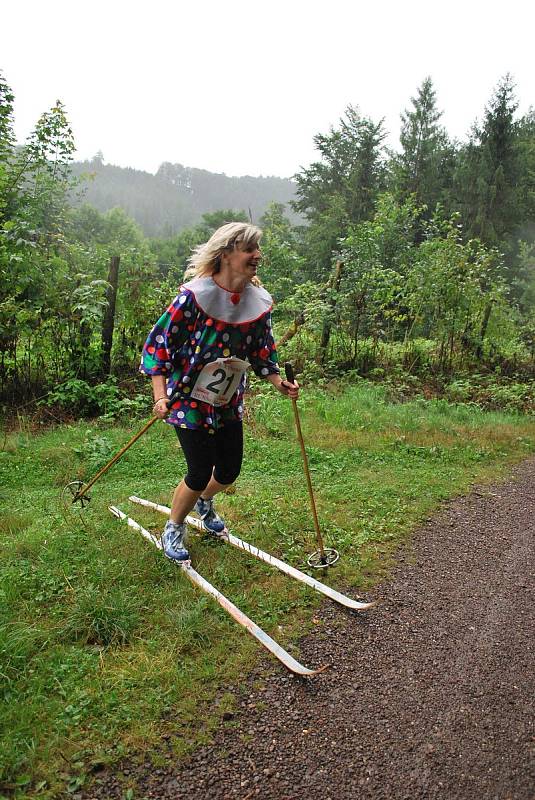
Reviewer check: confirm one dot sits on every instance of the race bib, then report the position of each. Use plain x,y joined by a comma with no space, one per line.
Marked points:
219,380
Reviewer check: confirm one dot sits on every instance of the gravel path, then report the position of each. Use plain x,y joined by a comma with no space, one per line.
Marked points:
431,694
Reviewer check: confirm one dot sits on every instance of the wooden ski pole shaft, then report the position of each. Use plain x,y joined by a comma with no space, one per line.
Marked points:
87,486
290,377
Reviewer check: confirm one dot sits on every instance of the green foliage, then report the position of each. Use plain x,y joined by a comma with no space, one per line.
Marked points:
402,278
34,185
448,290
492,392
107,399
525,130
282,266
371,290
489,170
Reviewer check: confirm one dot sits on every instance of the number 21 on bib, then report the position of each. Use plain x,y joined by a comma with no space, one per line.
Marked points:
219,380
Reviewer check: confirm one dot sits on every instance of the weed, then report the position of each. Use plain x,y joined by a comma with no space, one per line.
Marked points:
100,616
95,451
14,524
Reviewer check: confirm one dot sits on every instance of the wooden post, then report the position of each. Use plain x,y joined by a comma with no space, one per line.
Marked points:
109,314
292,330
483,331
334,286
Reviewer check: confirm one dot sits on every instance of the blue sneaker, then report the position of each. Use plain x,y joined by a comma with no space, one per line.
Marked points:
173,541
212,521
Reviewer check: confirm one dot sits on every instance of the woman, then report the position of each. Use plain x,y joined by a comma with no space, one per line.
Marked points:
198,352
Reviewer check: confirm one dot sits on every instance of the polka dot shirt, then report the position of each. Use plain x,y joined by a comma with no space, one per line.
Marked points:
185,339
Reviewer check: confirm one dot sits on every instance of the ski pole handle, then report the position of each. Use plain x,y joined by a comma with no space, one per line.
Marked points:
289,370
169,401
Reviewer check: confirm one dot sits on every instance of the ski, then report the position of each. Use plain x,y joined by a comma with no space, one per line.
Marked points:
226,536
270,644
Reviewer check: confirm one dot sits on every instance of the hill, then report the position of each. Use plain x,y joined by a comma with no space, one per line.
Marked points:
176,196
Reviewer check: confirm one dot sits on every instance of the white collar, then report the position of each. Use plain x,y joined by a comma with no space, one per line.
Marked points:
230,307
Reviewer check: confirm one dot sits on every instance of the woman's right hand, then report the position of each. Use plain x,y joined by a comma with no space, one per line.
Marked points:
160,409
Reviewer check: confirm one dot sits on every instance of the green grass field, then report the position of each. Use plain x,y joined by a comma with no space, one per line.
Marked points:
105,647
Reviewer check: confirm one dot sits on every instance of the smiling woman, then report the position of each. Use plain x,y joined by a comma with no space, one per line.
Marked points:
197,355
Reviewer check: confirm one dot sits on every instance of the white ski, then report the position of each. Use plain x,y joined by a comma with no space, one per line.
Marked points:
270,644
226,536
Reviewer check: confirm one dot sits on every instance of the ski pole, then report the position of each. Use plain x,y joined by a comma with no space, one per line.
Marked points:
324,557
77,490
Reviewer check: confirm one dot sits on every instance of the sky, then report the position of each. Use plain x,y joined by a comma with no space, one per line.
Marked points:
241,88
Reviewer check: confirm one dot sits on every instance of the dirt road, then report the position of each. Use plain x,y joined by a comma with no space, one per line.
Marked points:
431,695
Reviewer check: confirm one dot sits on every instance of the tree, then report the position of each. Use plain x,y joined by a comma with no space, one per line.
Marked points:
350,168
526,178
213,220
95,240
341,188
452,290
424,166
9,178
377,257
282,266
7,137
34,183
489,171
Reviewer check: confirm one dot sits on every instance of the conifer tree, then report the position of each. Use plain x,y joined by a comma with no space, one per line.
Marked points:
7,148
7,137
489,171
424,166
341,188
526,180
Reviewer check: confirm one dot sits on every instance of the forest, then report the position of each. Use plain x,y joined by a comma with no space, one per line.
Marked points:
175,197
415,268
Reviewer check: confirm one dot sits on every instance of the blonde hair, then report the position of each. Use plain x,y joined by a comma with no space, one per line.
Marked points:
205,259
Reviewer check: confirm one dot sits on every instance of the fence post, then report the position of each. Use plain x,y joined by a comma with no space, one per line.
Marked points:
333,288
109,315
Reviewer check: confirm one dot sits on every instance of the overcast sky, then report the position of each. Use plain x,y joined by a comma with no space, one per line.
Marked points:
242,87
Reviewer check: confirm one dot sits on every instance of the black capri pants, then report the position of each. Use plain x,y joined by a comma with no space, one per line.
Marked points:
220,452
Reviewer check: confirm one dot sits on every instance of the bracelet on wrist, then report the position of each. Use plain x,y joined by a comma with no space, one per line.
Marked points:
158,400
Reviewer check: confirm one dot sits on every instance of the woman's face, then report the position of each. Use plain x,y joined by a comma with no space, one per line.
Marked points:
243,263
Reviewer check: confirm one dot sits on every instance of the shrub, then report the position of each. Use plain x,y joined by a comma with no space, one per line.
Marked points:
105,399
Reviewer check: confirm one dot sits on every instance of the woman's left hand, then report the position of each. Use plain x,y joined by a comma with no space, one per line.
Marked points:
288,389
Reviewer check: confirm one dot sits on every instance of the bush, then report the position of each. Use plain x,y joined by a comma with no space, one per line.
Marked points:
103,399
492,392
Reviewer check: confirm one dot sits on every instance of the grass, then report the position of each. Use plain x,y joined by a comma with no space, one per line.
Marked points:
105,647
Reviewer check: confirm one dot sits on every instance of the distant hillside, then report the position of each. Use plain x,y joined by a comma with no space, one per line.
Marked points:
177,196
